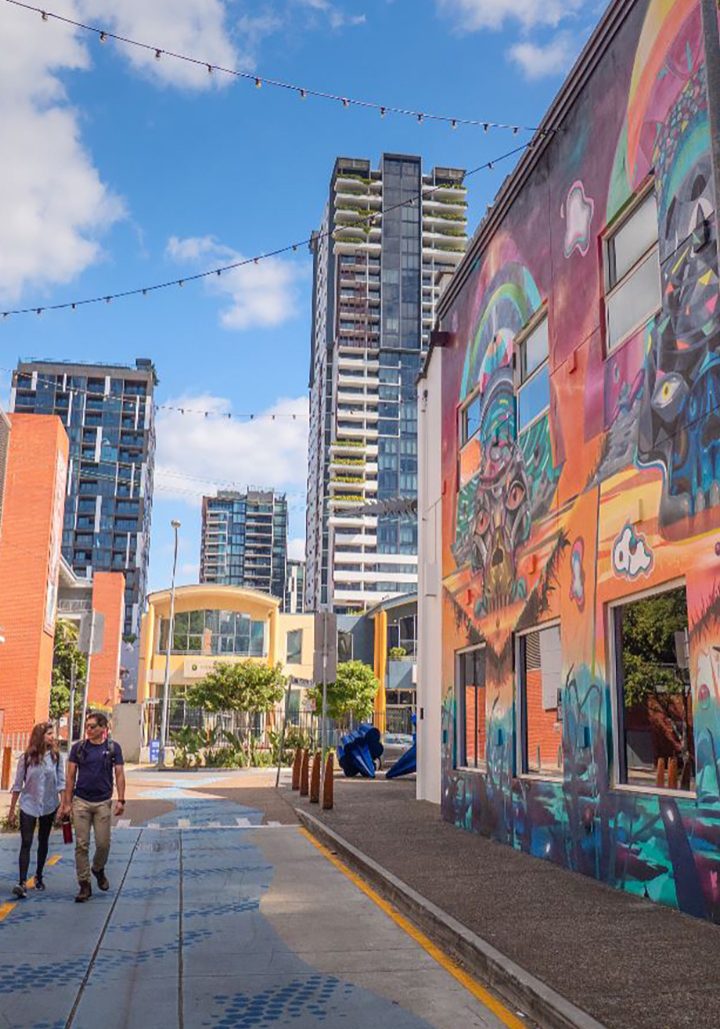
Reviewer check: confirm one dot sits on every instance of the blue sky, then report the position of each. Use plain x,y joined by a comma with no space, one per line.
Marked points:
128,171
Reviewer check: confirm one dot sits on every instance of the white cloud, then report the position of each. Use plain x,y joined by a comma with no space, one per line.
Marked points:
259,295
540,60
197,28
197,454
472,15
53,204
296,548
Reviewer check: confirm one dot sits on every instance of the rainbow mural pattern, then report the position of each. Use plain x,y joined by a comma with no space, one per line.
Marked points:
614,490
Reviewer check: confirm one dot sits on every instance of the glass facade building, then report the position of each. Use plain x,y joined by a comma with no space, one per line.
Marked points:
244,540
107,411
389,238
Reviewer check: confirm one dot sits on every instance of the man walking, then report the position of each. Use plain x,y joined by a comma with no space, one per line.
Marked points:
91,767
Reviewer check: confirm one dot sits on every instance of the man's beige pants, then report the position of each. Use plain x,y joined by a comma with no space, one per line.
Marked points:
87,815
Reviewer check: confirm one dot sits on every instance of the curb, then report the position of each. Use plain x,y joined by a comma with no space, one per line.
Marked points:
511,982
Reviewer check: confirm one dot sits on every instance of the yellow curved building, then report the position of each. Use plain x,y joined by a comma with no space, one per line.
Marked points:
220,623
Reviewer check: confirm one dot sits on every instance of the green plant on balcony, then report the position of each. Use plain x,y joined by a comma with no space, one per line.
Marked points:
448,216
347,478
354,498
454,232
450,249
397,653
351,461
348,443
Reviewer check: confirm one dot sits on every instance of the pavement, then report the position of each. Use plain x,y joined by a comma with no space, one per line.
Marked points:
222,911
623,962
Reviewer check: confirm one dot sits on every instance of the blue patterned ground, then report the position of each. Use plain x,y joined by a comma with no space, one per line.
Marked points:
182,930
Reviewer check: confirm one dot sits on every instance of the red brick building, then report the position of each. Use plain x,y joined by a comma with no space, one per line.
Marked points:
33,473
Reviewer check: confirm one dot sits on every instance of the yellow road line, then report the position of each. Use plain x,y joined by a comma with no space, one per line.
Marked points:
10,905
5,910
445,961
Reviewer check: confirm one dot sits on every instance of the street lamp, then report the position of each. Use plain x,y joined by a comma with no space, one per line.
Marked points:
166,684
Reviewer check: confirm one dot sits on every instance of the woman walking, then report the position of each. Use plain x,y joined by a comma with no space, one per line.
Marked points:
39,779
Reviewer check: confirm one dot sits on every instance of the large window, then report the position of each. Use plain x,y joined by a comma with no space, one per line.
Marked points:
214,633
633,272
533,375
294,647
655,727
469,419
470,670
540,683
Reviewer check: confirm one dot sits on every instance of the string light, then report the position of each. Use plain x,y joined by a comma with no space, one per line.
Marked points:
146,290
78,391
277,83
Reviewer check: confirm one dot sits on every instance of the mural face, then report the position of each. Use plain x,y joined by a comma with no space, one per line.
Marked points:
613,491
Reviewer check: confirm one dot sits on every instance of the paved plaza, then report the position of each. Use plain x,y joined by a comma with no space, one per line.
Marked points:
222,912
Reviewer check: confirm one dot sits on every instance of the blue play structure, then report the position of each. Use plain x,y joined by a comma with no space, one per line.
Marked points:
359,750
405,764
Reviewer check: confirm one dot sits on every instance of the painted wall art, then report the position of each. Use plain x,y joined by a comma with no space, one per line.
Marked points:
581,535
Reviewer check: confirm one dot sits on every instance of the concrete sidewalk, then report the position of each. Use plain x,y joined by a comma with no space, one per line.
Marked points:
628,963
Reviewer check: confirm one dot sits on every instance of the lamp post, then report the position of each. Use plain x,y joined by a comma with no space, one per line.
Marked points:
166,684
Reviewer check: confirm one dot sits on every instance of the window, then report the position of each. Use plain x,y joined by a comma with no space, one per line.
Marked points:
470,673
655,723
294,647
344,646
214,632
540,683
470,419
633,272
533,375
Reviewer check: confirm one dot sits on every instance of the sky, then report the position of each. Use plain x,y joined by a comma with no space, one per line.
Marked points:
120,171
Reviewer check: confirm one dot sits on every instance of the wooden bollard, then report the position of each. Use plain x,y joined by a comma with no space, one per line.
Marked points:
297,764
6,762
315,778
304,773
673,773
327,800
660,772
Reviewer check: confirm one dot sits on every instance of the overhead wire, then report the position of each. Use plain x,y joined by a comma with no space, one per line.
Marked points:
347,102
218,271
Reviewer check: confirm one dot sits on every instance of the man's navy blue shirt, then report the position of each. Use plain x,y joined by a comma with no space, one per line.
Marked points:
95,761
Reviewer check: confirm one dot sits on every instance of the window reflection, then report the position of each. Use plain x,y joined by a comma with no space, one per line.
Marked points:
214,633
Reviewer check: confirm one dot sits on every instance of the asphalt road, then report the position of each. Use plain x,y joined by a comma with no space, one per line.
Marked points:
221,912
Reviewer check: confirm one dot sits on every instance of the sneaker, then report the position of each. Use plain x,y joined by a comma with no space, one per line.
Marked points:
84,893
20,891
39,884
102,879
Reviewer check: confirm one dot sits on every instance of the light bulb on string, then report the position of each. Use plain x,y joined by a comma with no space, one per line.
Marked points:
103,37
258,83
158,55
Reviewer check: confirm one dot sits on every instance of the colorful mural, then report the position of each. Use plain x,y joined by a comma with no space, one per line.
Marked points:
615,490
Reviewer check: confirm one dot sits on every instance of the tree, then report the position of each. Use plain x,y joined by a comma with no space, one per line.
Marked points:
66,654
352,693
648,646
244,686
651,675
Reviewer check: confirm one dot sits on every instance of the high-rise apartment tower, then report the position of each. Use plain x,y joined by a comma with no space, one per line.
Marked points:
107,411
244,540
388,238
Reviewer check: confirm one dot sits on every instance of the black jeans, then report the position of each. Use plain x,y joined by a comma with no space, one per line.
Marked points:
27,831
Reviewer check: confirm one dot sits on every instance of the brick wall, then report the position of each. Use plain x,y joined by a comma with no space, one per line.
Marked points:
36,466
108,599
